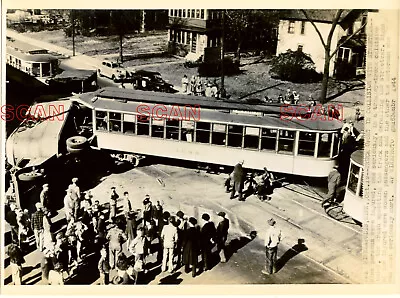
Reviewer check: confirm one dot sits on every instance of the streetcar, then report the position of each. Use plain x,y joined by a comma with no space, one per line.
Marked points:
36,62
208,131
353,203
219,133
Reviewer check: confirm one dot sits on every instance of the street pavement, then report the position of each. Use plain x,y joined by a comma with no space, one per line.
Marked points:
315,248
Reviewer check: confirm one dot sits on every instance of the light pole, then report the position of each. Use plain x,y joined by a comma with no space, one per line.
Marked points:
222,93
73,32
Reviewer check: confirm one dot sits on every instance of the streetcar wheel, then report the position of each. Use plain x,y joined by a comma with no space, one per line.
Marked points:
76,142
114,78
31,176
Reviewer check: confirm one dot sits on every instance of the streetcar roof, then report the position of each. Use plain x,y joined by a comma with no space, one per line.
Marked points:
131,95
31,57
358,157
209,115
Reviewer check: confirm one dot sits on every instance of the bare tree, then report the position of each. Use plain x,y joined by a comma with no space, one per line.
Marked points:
329,54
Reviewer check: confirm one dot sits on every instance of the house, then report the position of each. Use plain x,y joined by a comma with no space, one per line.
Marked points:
196,31
296,32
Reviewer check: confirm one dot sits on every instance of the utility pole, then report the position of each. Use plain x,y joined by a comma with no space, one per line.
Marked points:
222,93
73,32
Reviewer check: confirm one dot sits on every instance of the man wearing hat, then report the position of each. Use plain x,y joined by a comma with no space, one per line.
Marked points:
182,226
113,203
222,235
44,197
334,179
69,205
238,176
272,239
37,225
207,240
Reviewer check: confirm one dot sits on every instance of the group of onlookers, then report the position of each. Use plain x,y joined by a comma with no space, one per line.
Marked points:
120,241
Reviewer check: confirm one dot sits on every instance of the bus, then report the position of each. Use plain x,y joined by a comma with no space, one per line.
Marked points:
36,62
353,203
208,131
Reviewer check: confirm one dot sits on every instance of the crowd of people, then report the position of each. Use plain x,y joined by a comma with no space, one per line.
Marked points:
118,242
196,86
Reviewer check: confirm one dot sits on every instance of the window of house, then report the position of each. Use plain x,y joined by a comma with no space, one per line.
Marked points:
218,134
172,129
180,13
324,144
203,132
187,38
235,135
184,13
197,13
307,143
268,139
193,13
143,125
202,14
175,12
115,122
129,123
171,12
291,27
157,128
300,48
303,27
286,141
101,120
251,137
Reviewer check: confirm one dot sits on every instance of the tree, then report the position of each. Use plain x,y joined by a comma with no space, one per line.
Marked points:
327,47
250,28
122,22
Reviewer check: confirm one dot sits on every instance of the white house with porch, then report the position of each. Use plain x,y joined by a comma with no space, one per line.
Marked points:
296,32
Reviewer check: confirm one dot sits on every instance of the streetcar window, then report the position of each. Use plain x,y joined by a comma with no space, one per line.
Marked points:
353,178
101,120
324,144
157,128
203,132
143,124
235,133
115,122
219,134
36,69
268,139
172,129
307,143
286,141
251,137
335,144
187,131
129,123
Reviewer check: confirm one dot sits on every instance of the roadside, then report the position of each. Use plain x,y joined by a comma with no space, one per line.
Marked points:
254,77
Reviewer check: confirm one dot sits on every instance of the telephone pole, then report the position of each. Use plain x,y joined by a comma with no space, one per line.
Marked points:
222,93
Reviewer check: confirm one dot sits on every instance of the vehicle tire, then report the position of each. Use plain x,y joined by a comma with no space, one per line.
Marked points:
100,74
75,150
31,176
76,142
114,78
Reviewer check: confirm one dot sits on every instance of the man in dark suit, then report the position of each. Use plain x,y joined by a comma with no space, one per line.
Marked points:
222,235
238,177
191,246
207,240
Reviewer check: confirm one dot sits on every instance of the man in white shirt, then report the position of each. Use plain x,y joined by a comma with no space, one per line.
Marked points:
272,239
169,236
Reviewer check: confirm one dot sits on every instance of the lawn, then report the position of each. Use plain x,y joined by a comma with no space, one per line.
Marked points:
254,81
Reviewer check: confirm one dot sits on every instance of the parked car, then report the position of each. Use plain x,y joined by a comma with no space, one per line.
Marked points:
149,81
113,70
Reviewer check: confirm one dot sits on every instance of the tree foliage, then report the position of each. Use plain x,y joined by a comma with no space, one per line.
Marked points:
250,29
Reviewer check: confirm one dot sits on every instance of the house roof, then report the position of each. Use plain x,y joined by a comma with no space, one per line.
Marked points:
317,15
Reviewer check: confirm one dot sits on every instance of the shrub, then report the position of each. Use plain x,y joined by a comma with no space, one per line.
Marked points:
294,66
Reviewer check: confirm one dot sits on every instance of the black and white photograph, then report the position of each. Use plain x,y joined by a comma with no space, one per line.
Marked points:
184,146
